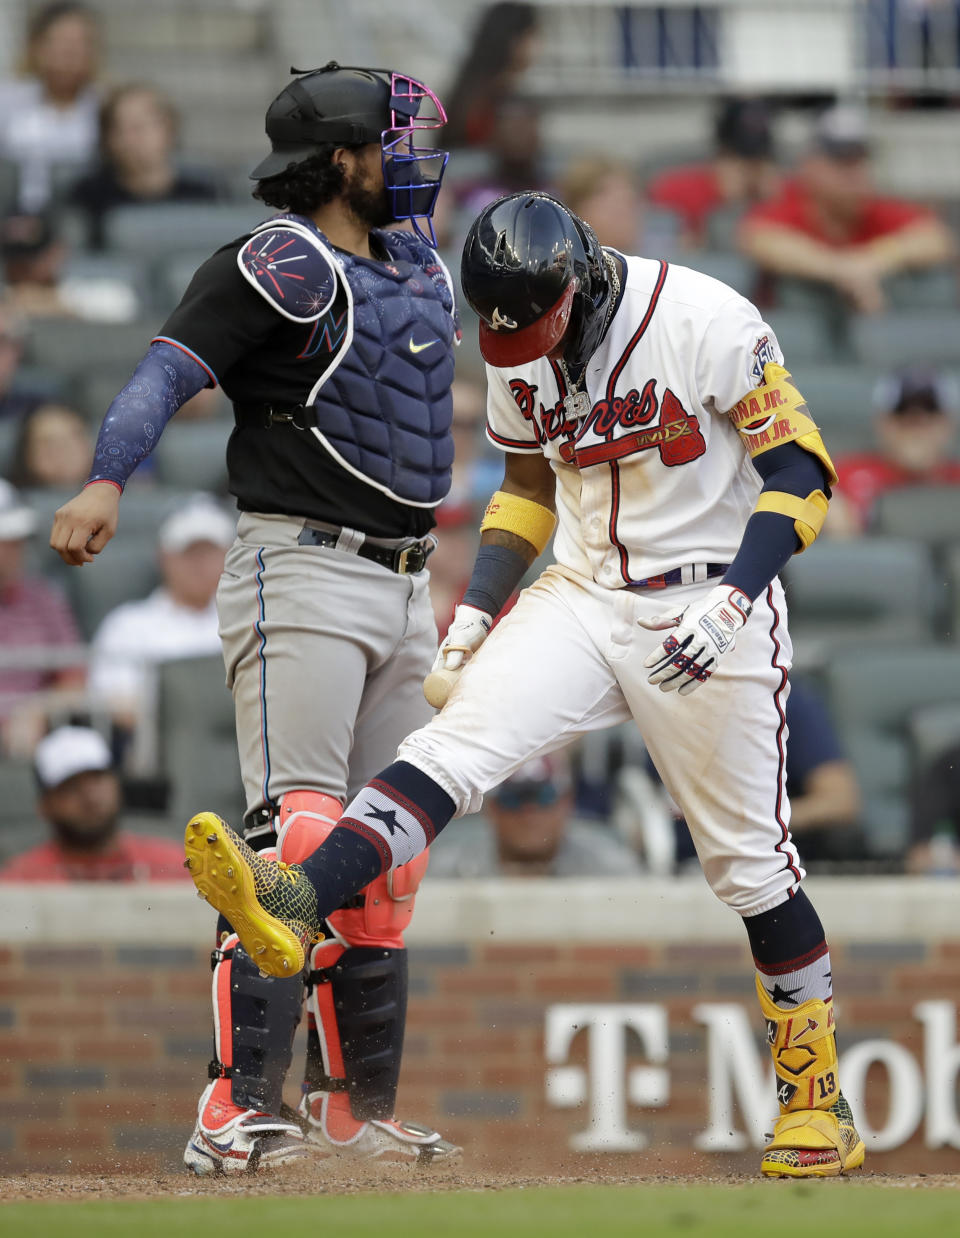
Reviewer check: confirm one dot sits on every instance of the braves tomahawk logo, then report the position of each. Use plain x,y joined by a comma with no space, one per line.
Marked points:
501,322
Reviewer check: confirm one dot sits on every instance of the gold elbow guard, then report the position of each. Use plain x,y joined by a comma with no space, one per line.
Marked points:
807,514
776,413
522,517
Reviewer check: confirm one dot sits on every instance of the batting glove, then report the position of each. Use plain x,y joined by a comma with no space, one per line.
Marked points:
467,633
702,634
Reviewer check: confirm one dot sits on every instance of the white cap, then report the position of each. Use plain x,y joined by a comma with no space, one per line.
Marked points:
67,751
17,520
202,520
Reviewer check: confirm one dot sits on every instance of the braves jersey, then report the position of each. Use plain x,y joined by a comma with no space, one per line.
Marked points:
651,473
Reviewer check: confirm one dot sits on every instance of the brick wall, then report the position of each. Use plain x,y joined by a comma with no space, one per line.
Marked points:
103,1047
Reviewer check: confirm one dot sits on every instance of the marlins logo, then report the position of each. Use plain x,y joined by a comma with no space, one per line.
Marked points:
500,322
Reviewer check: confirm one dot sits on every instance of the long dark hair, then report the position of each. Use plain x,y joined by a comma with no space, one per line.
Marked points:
483,67
305,186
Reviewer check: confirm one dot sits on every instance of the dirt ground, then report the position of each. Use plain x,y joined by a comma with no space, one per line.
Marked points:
321,1178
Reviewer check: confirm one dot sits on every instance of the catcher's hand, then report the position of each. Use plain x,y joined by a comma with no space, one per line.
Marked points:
82,527
702,634
467,633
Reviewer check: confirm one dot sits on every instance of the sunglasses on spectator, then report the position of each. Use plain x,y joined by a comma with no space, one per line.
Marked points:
541,794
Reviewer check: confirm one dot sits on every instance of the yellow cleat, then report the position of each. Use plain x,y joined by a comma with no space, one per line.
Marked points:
271,906
814,1143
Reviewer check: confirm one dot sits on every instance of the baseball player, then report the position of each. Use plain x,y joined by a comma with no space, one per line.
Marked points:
644,408
334,340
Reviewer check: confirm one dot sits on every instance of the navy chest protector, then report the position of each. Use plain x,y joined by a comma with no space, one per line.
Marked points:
383,405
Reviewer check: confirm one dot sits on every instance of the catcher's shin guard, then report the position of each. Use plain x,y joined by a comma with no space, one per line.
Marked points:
357,1009
255,1018
814,1137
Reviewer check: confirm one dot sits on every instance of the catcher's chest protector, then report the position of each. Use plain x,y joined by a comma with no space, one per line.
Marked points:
384,408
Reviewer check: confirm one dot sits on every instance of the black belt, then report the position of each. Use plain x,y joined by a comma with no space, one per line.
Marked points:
675,577
405,559
262,416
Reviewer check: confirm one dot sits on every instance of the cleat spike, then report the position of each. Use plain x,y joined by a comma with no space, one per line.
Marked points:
229,872
285,963
186,863
211,838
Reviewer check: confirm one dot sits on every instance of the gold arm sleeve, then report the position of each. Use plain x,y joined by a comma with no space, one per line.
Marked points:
523,517
807,514
776,413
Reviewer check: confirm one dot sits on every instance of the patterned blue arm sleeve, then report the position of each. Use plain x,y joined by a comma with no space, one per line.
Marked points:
162,382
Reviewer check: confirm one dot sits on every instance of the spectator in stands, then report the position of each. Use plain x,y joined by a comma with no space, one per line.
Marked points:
15,398
916,428
531,833
605,192
831,226
741,172
54,449
80,798
515,155
501,49
177,620
38,284
138,137
935,818
38,629
50,117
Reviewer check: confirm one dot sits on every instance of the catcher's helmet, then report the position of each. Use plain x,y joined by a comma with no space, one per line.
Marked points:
535,274
352,106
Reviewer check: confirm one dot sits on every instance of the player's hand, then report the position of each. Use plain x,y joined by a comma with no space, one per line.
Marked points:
467,633
700,635
82,527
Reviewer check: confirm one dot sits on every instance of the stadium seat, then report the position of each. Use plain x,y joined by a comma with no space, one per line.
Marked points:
126,571
8,441
70,347
926,512
19,826
170,228
803,336
192,455
907,338
198,741
933,729
845,593
729,268
923,290
873,694
173,273
953,581
840,399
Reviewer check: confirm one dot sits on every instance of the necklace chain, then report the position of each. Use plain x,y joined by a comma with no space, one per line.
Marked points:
573,388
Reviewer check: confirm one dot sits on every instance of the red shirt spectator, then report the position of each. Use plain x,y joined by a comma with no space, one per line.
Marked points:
741,172
129,857
831,226
915,428
33,615
796,207
80,799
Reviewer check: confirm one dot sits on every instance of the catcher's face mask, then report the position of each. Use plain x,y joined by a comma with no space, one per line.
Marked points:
412,173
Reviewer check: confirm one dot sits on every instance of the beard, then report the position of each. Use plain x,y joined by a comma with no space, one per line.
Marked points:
370,205
88,838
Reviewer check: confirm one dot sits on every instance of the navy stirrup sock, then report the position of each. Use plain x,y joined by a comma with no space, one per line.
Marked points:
790,953
393,818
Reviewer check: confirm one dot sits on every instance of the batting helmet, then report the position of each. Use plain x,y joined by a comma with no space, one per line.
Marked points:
352,106
535,274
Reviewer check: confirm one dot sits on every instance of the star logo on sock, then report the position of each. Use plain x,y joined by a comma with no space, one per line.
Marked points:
779,996
388,818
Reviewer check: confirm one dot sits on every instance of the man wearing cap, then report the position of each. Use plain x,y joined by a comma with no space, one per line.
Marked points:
916,427
80,799
332,334
37,626
743,171
531,832
830,225
177,620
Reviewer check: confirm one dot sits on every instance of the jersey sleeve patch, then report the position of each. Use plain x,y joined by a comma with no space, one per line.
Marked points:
291,270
